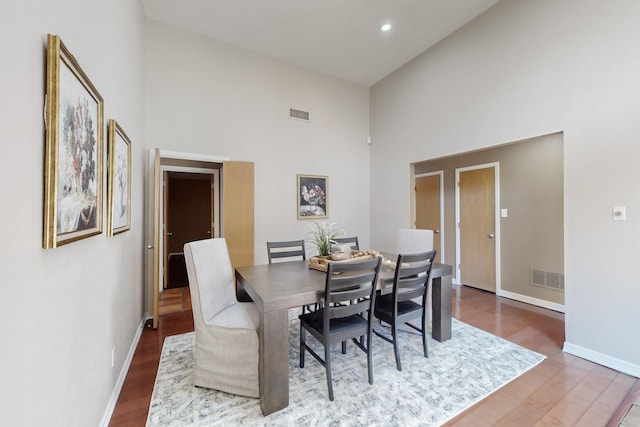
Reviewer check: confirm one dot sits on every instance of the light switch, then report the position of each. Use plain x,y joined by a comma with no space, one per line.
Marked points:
619,213
504,213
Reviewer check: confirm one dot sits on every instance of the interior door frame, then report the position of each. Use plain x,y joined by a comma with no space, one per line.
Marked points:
154,217
415,207
216,201
496,192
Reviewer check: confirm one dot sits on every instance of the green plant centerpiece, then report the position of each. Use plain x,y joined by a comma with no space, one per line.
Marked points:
321,237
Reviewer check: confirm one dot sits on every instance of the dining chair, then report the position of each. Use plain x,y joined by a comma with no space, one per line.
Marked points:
291,249
353,241
226,349
411,241
410,282
345,313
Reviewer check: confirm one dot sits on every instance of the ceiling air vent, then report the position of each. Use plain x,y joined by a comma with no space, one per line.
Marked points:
298,114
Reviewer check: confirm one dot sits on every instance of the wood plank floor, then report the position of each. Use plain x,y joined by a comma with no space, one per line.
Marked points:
564,390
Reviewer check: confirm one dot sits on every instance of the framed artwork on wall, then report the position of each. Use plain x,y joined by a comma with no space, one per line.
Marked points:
73,150
312,197
118,180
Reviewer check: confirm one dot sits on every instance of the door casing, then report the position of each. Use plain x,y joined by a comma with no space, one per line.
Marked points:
160,160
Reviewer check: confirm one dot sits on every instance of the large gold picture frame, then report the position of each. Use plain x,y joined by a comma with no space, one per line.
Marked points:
73,150
118,180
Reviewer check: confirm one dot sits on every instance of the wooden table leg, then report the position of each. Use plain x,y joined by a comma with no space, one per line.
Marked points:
274,361
441,308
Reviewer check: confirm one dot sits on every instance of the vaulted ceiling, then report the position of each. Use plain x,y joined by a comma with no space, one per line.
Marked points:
341,38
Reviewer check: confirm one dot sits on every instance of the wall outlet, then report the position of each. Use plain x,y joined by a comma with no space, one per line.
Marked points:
113,356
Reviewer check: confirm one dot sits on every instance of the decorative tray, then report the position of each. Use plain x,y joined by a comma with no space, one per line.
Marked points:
322,263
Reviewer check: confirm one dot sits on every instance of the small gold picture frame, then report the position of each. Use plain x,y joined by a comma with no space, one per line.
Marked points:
73,150
118,180
312,197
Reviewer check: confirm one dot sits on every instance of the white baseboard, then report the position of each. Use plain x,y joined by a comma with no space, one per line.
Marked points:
533,301
526,299
111,405
602,359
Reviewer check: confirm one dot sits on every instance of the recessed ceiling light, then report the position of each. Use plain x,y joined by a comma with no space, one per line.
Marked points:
385,27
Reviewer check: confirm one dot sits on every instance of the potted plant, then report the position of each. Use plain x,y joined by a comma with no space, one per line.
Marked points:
321,237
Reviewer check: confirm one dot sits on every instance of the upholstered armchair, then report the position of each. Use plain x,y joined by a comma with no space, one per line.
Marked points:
226,353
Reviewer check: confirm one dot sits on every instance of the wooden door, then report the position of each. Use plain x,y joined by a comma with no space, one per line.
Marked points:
156,237
188,202
428,208
237,211
477,221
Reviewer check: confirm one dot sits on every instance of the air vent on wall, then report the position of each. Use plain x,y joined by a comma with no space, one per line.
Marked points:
298,114
546,279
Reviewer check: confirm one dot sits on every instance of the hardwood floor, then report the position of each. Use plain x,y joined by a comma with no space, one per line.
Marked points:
564,390
172,300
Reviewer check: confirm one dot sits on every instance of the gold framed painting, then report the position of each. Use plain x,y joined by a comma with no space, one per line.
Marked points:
73,150
312,197
118,180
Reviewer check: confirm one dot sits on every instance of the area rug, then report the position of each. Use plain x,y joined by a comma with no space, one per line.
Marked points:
429,391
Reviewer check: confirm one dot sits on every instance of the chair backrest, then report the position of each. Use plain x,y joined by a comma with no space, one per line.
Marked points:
350,288
412,241
210,277
413,272
353,241
288,249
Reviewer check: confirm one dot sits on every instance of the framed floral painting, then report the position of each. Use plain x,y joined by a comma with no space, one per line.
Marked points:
312,197
118,180
73,150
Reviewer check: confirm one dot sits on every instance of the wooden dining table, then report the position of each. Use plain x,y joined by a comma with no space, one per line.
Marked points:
275,288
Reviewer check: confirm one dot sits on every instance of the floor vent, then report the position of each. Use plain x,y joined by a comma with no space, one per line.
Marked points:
546,279
298,114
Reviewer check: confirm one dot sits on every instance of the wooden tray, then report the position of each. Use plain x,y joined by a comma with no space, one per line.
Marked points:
322,264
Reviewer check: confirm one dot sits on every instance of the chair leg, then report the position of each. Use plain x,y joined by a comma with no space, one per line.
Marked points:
396,350
344,347
369,357
327,364
425,331
302,344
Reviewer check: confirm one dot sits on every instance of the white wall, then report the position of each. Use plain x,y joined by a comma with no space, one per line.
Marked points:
62,310
528,68
209,98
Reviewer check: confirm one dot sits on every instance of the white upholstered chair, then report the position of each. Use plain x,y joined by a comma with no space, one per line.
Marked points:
413,241
226,353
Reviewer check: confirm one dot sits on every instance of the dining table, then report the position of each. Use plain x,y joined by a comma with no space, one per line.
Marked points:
277,287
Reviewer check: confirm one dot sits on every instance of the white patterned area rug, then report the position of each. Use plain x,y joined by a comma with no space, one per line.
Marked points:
428,392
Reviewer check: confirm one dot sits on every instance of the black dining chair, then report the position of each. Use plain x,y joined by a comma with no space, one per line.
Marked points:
291,249
345,313
410,283
353,241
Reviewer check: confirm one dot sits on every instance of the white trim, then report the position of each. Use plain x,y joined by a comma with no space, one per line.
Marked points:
533,301
602,359
415,207
111,405
190,156
496,172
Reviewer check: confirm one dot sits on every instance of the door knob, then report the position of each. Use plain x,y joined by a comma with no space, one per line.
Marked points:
436,231
169,234
491,235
